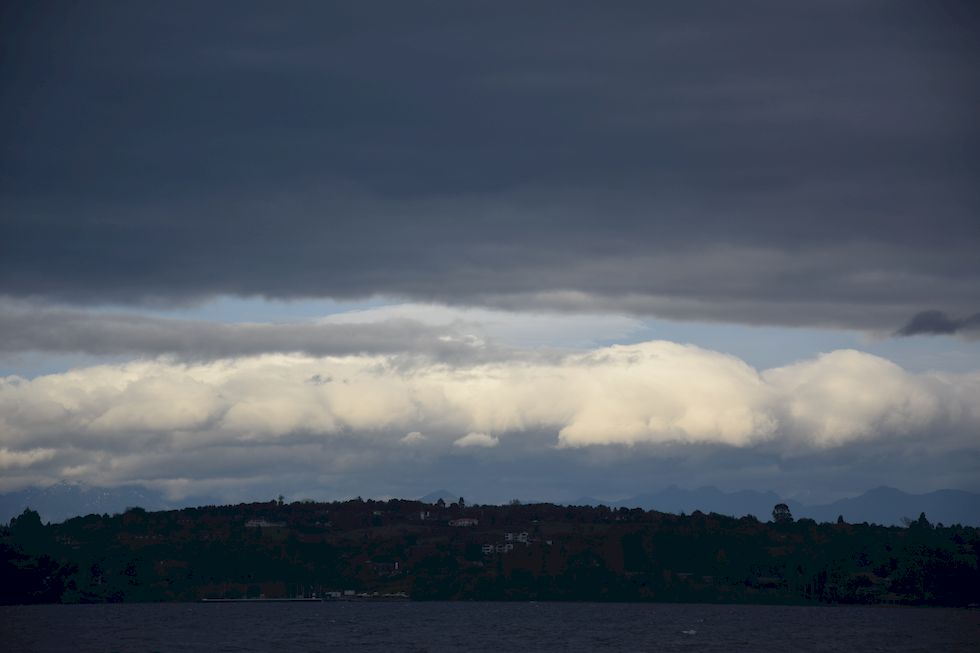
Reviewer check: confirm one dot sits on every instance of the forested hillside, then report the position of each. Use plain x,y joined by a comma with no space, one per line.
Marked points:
455,551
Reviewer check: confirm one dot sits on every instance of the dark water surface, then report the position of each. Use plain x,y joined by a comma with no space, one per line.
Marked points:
341,626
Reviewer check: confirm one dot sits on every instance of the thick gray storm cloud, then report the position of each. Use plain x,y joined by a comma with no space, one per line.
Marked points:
66,331
750,162
938,323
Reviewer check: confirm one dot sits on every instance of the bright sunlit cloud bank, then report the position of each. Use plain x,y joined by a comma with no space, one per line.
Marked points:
119,422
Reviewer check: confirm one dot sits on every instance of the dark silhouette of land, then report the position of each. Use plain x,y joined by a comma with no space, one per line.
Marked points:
411,549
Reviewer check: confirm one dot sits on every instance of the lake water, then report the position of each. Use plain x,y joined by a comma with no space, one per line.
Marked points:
418,627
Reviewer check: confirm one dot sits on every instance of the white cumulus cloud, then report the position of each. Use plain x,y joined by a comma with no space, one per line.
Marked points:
135,419
477,440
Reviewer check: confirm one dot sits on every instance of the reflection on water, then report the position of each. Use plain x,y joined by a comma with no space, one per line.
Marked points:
341,626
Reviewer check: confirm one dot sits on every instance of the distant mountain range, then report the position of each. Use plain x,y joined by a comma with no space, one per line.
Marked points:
885,505
66,499
433,497
881,505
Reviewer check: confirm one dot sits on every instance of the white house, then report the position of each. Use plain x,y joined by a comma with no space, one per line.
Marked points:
464,521
262,523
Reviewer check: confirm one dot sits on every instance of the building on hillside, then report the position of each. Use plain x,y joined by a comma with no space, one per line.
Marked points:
385,568
464,521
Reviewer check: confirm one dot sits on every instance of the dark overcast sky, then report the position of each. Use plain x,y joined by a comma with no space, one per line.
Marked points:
749,162
444,182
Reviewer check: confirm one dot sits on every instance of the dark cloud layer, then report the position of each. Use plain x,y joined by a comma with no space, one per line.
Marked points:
345,470
761,162
938,323
103,334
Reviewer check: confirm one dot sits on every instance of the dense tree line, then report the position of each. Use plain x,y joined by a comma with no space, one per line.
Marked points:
513,552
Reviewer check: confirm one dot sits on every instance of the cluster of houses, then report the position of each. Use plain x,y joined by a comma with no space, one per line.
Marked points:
351,595
510,539
263,523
